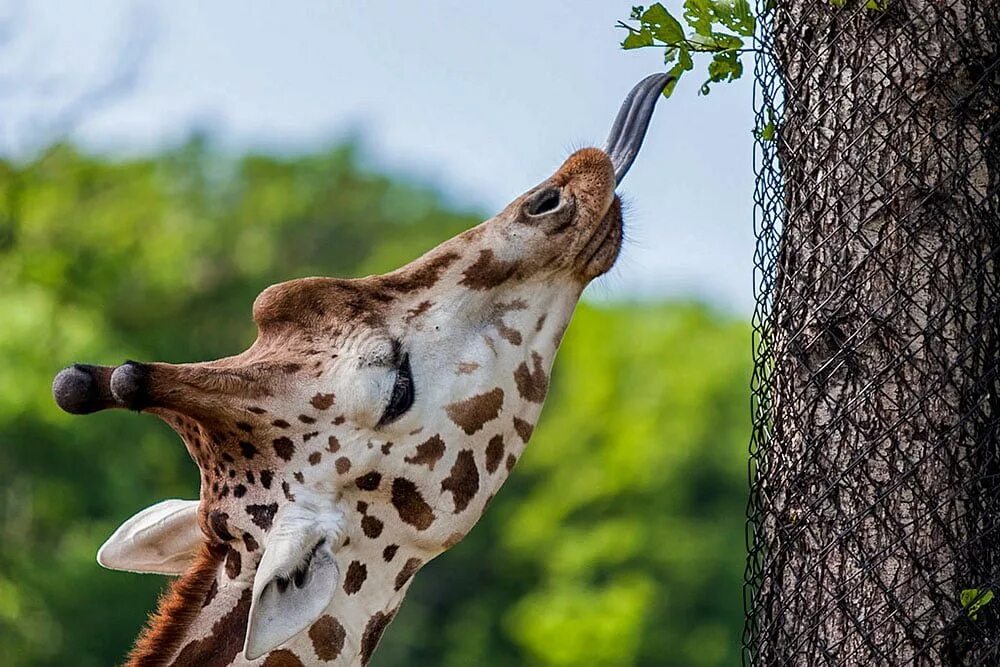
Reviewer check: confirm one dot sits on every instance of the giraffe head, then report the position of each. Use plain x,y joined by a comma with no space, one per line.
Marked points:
372,420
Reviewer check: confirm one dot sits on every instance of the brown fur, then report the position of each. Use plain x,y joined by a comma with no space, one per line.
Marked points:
177,609
463,482
472,413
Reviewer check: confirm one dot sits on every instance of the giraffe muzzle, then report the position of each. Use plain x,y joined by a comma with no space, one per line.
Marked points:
629,129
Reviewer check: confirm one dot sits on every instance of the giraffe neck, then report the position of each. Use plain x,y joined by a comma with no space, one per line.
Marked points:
202,619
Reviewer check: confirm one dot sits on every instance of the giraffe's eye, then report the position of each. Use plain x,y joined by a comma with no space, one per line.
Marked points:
402,393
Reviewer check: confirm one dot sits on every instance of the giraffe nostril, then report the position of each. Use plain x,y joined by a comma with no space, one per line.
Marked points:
128,385
544,202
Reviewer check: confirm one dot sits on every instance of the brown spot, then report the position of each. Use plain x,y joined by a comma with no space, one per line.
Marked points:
487,272
362,506
423,275
213,590
306,419
466,368
218,521
343,464
373,633
309,436
428,453
284,448
371,526
239,491
540,323
248,450
463,482
390,552
494,453
523,428
533,384
472,413
315,458
327,635
410,505
511,460
222,644
257,411
282,658
338,421
250,477
245,427
233,563
280,423
409,569
509,334
262,515
421,308
332,444
386,447
322,401
250,542
357,572
265,478
285,489
369,482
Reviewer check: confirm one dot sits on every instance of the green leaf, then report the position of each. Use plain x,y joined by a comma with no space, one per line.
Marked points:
676,71
684,59
744,23
974,599
698,14
725,66
663,25
770,129
637,39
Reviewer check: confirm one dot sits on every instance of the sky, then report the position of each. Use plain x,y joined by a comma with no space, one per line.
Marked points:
480,100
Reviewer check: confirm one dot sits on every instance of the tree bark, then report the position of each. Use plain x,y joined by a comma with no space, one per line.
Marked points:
875,501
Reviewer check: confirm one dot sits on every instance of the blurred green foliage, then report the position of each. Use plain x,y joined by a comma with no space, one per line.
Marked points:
618,540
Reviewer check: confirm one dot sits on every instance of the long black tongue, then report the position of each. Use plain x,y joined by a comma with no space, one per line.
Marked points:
629,129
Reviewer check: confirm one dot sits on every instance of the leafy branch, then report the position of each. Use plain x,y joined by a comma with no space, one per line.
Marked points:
718,27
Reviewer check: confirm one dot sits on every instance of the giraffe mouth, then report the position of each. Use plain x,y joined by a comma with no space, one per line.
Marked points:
629,129
601,250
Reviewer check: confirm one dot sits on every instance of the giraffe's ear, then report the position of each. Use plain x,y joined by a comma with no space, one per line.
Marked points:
161,539
296,579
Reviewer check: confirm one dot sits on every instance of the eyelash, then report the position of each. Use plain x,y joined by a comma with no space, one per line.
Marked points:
403,393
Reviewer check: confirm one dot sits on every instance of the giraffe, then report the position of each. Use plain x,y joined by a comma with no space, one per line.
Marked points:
364,431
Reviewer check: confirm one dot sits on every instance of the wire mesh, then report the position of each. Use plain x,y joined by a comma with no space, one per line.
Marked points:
873,529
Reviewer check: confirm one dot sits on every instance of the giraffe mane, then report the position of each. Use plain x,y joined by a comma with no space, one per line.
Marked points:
176,609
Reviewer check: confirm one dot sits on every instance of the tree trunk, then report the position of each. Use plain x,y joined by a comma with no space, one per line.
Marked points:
876,498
